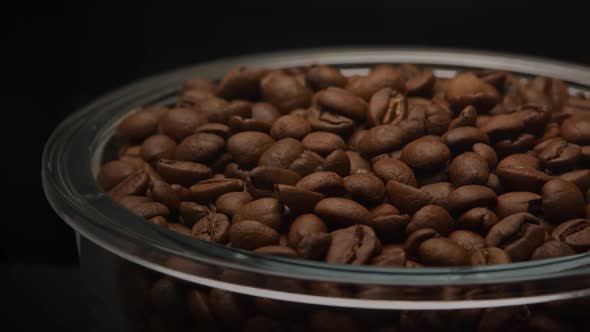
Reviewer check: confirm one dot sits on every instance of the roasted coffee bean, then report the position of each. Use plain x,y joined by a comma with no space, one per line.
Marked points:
503,126
431,216
284,91
276,250
519,235
337,162
382,139
179,123
134,184
467,118
387,222
470,196
214,227
321,77
421,84
303,225
323,120
342,211
179,228
407,198
559,155
156,147
292,126
185,173
489,256
517,201
468,168
114,172
238,124
463,138
298,200
479,219
231,202
191,212
365,188
391,255
306,163
251,234
241,82
562,201
323,143
443,252
150,209
581,178
198,83
265,177
552,249
138,126
415,240
384,76
208,191
576,129
392,169
202,148
353,245
248,146
520,173
439,191
342,102
358,164
425,154
162,192
387,107
467,89
575,233
160,221
282,153
268,211
487,153
325,183
469,240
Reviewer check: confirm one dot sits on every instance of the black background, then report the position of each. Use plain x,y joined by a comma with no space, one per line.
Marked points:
74,53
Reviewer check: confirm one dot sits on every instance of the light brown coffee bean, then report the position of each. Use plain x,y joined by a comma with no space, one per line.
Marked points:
303,225
138,126
323,143
162,192
470,196
463,138
282,153
343,102
425,154
265,177
290,126
517,201
231,202
202,148
354,245
191,212
469,240
112,173
467,118
179,123
382,139
365,188
576,129
324,120
392,169
241,82
407,198
156,147
342,211
337,162
559,155
552,249
251,234
467,89
185,173
489,256
268,211
387,107
575,233
208,191
320,77
439,191
150,209
214,227
247,147
325,183
468,168
298,200
478,219
284,91
431,216
562,201
135,184
519,235
580,177
415,240
487,153
443,252
276,250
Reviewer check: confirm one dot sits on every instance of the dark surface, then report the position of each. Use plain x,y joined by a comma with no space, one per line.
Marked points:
89,49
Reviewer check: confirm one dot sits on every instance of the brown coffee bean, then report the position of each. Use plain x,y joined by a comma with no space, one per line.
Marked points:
479,219
191,212
552,249
179,228
156,147
487,153
284,91
324,120
290,126
469,240
520,175
470,196
277,251
467,89
517,201
421,84
282,153
198,83
268,211
387,107
463,138
112,173
207,191
214,227
239,124
306,163
184,194
559,155
358,164
392,169
138,126
468,168
162,192
576,129
134,184
185,173
387,221
200,148
365,188
407,198
229,309
467,118
343,102
303,225
562,201
160,221
392,255
150,209
342,211
489,256
519,235
442,252
355,138
241,82
382,139
193,98
425,154
230,202
337,162
431,216
248,146
353,245
251,234
575,233
323,143
179,123
439,191
382,77
325,183
320,77
581,178
298,200
519,144
265,177
503,126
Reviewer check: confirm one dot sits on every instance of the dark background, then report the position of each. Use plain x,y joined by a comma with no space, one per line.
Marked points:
85,50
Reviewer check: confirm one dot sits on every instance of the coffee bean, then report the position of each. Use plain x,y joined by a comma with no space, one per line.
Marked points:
443,252
519,235
207,191
303,225
112,173
321,77
290,126
467,118
391,255
239,124
489,256
268,211
581,178
342,211
306,163
439,191
179,228
392,169
470,196
431,216
179,123
230,202
366,86
387,222
520,173
282,153
134,184
559,155
248,146
517,201
576,129
469,240
284,91
314,246
425,154
323,143
382,139
160,221
552,249
325,183
358,164
387,107
365,188
182,193
463,138
407,198
251,234
191,212
487,153
415,240
184,173
138,126
478,219
162,192
202,147
241,82
156,147
298,200
467,89
421,84
343,102
562,201
353,245
150,209
468,168
575,233
503,126
324,120
337,162
214,227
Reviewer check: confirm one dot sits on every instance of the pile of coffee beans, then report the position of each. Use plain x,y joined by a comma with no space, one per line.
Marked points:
397,167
